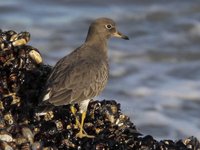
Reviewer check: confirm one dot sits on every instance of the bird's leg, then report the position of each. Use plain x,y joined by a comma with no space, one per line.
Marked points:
74,113
82,133
83,111
73,110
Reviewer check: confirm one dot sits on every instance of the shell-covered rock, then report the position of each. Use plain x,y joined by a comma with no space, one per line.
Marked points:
22,79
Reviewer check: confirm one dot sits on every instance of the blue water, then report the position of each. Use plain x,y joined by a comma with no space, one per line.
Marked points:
155,75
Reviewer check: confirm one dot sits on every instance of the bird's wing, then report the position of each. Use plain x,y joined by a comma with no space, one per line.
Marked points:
76,82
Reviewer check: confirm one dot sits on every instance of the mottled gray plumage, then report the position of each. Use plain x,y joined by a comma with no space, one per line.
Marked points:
79,76
82,74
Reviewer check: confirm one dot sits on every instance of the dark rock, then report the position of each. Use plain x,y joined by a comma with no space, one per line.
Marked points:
22,78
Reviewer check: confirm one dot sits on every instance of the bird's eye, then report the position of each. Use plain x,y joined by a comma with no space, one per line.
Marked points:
108,26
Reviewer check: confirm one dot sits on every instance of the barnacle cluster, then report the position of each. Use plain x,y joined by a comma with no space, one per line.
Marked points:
22,78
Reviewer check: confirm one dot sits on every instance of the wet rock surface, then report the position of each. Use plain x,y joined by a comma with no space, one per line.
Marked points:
22,78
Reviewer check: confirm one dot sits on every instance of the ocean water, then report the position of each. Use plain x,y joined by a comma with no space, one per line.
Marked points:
155,75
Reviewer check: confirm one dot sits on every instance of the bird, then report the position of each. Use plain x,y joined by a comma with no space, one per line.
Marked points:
83,74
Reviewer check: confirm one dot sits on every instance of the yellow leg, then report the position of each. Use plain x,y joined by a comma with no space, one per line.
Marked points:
82,133
73,110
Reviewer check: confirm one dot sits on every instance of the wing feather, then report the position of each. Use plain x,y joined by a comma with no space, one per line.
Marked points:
77,81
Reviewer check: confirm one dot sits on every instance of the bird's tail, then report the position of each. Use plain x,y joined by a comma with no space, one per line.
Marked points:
43,108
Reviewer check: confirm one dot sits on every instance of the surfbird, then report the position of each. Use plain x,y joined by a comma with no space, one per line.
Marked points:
83,74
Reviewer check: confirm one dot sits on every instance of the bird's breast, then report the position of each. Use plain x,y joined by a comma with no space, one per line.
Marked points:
101,77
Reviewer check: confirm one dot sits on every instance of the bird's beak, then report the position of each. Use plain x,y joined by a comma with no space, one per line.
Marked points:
120,35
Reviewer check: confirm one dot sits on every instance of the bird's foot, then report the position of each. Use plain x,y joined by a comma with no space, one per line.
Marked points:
79,125
80,134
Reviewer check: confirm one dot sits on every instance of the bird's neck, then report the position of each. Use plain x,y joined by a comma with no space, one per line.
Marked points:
95,39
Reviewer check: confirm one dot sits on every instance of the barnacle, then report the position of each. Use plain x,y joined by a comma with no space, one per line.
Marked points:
8,118
49,116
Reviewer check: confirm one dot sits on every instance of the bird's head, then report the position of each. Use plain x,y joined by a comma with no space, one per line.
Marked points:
105,28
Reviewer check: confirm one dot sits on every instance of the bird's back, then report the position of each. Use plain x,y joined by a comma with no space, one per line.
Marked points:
78,76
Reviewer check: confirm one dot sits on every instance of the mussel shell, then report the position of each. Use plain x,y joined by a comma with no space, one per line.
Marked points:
28,134
10,33
6,137
35,56
5,146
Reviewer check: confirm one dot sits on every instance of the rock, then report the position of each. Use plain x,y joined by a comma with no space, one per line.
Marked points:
22,78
